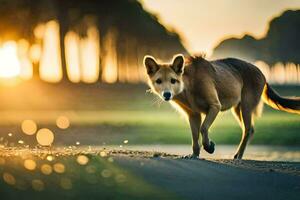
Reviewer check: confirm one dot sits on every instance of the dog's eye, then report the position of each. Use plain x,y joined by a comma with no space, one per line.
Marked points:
173,80
158,81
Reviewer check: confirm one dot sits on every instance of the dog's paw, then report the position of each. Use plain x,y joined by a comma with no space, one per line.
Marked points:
211,148
191,157
237,157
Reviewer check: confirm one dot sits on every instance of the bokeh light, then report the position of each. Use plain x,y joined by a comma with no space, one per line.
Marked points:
59,168
50,158
45,137
30,164
66,183
103,154
26,65
82,160
35,52
39,31
62,122
38,185
46,169
50,62
9,178
72,52
29,127
109,63
120,178
91,169
9,63
106,173
21,142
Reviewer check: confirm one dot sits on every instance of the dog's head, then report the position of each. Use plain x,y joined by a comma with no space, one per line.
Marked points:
165,79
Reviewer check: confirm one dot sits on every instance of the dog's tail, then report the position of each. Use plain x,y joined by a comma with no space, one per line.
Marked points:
273,99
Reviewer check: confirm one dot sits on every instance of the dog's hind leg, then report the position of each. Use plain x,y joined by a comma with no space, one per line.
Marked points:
246,112
236,111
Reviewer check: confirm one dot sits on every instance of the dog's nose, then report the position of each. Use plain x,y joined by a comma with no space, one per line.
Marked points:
167,95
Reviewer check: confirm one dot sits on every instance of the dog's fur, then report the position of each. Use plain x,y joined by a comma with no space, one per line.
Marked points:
207,87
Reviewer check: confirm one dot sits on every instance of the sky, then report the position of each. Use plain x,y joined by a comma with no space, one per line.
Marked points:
202,24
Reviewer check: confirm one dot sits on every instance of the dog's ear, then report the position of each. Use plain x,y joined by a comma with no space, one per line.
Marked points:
178,64
151,65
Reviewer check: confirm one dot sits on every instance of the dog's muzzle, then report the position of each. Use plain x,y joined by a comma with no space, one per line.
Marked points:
167,95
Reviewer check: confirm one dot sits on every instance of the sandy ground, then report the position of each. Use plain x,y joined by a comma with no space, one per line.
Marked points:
178,178
292,168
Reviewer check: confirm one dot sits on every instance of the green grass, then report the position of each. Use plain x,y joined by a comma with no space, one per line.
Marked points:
111,114
273,128
159,127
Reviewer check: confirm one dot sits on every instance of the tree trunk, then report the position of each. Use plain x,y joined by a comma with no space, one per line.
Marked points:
36,71
62,33
63,28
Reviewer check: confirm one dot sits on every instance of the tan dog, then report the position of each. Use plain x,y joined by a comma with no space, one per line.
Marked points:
208,87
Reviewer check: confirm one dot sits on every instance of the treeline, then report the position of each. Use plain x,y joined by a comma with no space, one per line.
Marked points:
281,43
137,32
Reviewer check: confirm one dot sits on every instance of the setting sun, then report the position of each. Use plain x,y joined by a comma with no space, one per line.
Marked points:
9,62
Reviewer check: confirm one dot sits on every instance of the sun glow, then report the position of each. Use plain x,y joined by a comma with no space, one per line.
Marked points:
9,63
110,72
87,61
50,64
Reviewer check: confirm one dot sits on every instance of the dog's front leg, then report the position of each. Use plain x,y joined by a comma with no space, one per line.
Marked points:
211,115
195,122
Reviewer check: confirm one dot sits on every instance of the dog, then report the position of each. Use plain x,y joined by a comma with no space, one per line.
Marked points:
201,87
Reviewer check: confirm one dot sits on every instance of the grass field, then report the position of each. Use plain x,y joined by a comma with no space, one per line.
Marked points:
110,114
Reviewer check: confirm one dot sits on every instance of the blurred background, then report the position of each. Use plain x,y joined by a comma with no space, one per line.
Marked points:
75,68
